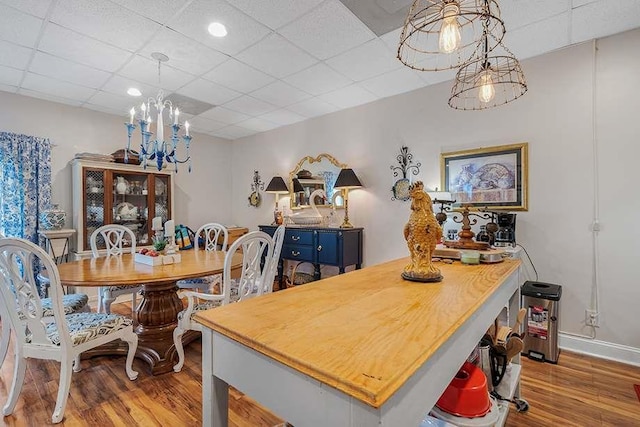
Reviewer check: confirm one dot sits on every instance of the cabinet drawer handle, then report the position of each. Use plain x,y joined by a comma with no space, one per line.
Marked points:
319,248
295,253
295,238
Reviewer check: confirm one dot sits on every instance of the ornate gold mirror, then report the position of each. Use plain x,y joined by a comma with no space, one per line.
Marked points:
313,173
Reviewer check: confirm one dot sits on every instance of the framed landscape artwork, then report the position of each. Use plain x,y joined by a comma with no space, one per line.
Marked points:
492,177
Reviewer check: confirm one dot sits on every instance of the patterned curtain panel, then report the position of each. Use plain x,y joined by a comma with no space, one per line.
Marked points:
25,183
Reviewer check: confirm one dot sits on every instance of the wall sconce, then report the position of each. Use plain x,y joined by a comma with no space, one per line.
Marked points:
347,180
277,186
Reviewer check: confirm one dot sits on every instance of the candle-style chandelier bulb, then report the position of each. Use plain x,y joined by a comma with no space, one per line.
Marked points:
450,36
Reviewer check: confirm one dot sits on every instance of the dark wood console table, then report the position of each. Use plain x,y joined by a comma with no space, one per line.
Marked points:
339,247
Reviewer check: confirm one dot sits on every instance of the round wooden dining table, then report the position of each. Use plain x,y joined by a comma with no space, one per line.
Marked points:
156,316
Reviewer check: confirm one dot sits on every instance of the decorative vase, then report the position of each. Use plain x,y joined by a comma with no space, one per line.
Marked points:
53,218
121,186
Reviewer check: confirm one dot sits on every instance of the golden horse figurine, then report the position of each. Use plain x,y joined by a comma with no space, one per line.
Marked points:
422,232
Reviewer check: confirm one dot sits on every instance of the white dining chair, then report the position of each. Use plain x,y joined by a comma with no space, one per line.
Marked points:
71,303
65,337
211,234
258,250
115,237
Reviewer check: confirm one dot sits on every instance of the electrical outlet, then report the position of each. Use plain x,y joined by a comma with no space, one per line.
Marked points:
592,318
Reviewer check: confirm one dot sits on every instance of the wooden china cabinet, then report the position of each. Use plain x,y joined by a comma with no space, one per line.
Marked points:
116,193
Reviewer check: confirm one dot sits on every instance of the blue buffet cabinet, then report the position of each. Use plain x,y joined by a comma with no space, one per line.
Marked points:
339,247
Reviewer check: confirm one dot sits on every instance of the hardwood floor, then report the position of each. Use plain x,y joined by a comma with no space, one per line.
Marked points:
579,391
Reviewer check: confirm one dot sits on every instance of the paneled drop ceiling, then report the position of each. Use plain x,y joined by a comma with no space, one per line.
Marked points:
283,61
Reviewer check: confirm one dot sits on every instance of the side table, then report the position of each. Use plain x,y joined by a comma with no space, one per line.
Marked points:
57,243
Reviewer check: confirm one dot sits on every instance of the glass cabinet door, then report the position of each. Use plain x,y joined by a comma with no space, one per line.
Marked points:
94,202
130,205
162,206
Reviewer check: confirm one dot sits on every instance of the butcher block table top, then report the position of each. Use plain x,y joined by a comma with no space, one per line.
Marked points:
365,332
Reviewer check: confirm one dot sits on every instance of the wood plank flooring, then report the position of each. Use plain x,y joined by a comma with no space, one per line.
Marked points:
579,391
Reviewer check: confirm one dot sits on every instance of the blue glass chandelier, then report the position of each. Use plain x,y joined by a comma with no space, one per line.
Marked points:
158,149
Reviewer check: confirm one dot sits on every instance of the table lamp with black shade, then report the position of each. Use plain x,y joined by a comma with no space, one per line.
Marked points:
277,186
347,180
297,189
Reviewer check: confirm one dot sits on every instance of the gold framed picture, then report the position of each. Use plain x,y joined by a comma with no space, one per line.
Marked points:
491,177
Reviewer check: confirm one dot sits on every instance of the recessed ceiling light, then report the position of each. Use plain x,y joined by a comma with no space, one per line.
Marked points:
216,29
134,91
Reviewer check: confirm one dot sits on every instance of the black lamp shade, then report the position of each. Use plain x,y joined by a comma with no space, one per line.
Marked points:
347,179
277,185
297,187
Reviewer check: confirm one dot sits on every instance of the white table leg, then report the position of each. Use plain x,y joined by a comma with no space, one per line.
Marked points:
215,392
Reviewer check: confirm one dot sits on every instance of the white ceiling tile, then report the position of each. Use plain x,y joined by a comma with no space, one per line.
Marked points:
8,88
56,88
242,30
105,21
158,10
238,76
282,117
392,39
13,55
224,115
207,91
365,61
62,69
68,44
275,13
578,3
10,76
349,96
184,54
258,124
146,70
276,56
551,34
318,79
205,125
34,7
393,83
516,14
327,30
18,27
440,76
118,85
49,97
115,102
233,132
249,105
603,18
280,94
312,107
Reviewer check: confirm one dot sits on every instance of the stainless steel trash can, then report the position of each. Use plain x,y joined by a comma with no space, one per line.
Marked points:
542,301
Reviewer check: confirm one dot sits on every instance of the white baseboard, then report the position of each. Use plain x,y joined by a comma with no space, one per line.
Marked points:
601,349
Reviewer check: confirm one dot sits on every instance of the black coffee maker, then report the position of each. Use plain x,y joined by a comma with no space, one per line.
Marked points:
506,234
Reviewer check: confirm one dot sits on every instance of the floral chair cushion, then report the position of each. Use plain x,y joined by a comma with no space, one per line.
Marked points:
85,327
119,288
206,305
206,280
72,303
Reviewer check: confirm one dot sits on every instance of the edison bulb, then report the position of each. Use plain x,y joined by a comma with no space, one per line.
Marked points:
487,91
450,36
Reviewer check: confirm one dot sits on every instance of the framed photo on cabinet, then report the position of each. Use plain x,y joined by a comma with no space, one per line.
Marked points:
491,177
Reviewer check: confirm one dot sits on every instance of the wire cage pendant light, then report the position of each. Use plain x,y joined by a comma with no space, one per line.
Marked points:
444,34
490,79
